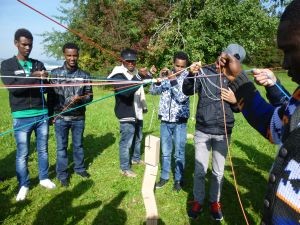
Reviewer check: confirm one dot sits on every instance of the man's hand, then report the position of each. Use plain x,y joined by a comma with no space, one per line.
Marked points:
40,74
195,67
229,65
153,70
143,71
165,73
264,77
228,96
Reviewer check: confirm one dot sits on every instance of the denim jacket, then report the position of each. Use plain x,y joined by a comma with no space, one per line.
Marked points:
173,105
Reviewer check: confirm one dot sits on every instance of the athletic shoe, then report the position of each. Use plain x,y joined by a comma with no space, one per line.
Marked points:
47,184
128,173
196,210
160,183
215,210
22,193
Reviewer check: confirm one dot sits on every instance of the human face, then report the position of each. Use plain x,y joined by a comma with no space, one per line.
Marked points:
288,40
71,56
24,46
179,65
130,65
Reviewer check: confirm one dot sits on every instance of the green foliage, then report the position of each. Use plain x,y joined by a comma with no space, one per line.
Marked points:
203,30
158,28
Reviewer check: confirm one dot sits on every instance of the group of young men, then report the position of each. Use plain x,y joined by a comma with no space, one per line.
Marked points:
32,113
223,88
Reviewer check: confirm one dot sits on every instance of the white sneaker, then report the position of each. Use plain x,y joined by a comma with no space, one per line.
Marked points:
47,184
22,193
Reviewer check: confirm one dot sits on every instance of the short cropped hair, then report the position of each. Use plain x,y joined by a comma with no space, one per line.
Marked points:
70,45
181,55
22,32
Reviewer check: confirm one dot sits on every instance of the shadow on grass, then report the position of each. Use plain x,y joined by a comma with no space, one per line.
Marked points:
60,210
111,214
159,222
262,160
249,179
95,145
8,164
8,207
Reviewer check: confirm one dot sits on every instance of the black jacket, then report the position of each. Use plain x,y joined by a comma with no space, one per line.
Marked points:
124,96
22,98
60,98
209,116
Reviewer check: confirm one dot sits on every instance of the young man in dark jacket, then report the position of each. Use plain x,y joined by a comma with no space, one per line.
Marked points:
62,100
29,110
129,107
210,134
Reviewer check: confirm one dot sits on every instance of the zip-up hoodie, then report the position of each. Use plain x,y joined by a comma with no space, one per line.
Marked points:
22,98
139,96
209,116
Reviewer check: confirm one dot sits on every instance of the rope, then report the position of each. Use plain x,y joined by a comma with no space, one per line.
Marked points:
69,110
229,156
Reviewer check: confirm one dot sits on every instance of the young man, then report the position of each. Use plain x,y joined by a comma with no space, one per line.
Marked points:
210,134
29,110
129,108
173,113
61,101
280,125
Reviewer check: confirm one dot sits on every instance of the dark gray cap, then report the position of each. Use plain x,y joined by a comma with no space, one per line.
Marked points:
129,54
237,51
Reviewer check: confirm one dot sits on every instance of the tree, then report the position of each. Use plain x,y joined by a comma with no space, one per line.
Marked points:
204,28
158,28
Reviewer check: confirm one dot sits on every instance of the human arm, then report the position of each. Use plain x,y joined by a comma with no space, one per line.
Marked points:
125,89
190,84
14,75
276,93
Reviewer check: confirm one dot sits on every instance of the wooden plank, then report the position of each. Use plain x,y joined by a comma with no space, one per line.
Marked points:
152,147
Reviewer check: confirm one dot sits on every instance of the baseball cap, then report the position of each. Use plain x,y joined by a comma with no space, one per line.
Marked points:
237,51
129,54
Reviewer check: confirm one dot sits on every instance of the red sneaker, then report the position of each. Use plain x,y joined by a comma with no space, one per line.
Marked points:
196,210
216,211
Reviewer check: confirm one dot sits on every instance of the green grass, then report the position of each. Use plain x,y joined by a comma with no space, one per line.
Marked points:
109,198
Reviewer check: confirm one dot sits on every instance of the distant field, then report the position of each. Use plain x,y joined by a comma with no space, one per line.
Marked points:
110,199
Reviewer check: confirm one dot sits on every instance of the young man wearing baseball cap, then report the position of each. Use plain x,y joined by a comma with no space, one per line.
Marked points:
129,108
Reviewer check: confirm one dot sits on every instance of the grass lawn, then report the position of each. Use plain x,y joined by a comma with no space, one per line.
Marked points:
107,197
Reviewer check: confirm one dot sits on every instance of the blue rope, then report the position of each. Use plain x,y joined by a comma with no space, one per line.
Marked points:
71,109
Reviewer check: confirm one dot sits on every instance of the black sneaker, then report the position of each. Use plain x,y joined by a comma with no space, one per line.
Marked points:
160,183
64,182
83,174
177,186
196,210
215,211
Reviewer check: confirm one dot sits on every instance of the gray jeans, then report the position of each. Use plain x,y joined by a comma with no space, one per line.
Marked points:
203,144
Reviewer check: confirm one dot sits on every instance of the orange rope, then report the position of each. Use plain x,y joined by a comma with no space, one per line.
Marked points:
229,155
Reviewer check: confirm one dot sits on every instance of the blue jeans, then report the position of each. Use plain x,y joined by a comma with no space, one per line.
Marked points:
62,128
204,144
22,137
137,140
127,130
173,133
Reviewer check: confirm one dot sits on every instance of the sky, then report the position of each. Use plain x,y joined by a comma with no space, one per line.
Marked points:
14,15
